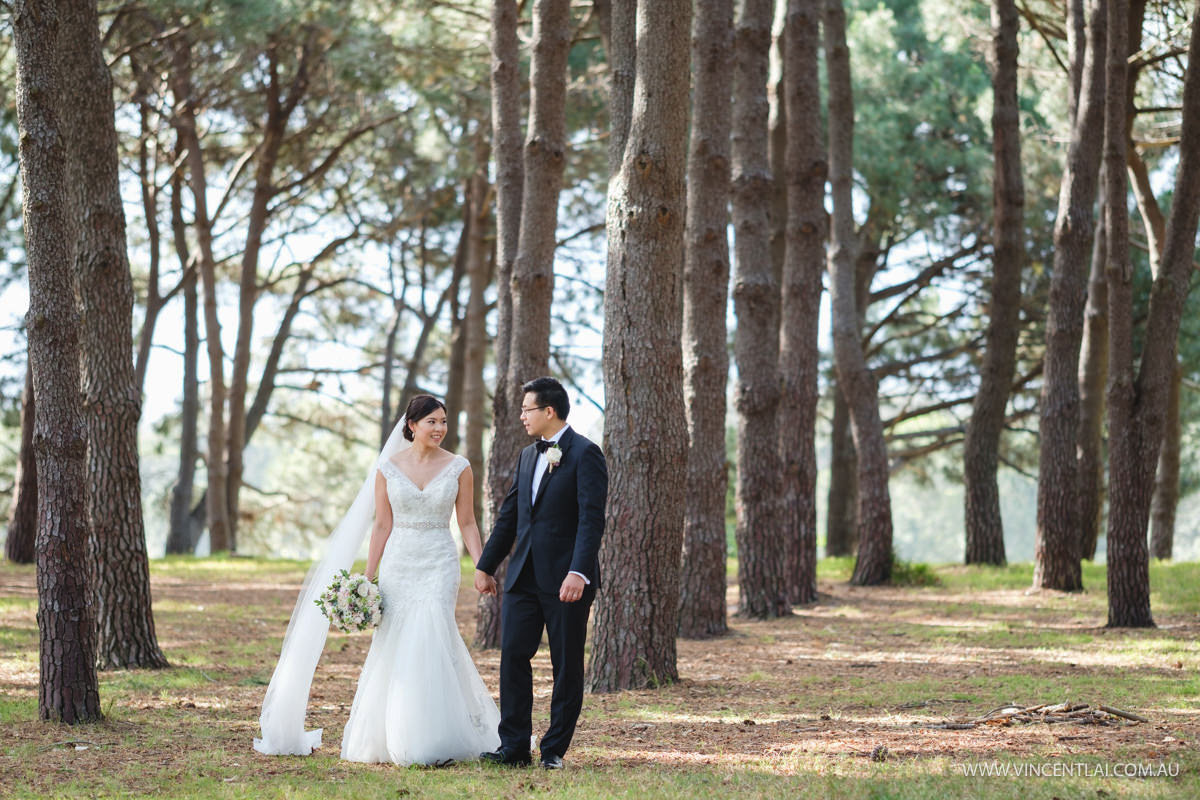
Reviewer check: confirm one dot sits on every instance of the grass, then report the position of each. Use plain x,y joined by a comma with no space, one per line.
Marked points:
783,708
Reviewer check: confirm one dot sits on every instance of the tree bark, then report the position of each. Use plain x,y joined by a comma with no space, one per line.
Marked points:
842,513
20,546
622,68
981,451
1129,599
1153,221
705,302
544,159
455,367
1056,549
111,395
1093,375
508,436
1138,407
181,539
216,502
637,615
874,563
154,299
475,321
1077,52
68,689
841,516
762,581
1166,478
799,355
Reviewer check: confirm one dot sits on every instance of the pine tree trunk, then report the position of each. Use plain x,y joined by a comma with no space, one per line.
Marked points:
545,157
1093,375
841,520
762,581
1077,51
154,302
842,514
804,261
1127,557
1166,479
531,283
706,298
66,605
111,396
1138,408
622,67
216,504
1129,481
19,547
1057,554
180,539
874,563
508,436
777,140
475,321
456,365
981,451
637,615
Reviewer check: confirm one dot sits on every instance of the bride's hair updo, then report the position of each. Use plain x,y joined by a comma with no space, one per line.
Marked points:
420,407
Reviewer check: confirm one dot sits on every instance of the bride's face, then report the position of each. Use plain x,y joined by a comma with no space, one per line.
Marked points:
430,430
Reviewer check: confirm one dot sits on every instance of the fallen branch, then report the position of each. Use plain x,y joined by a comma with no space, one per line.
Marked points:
1046,714
1116,712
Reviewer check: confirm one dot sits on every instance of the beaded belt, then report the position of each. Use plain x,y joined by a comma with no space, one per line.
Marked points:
420,526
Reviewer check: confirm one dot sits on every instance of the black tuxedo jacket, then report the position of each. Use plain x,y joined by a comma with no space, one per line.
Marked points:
561,530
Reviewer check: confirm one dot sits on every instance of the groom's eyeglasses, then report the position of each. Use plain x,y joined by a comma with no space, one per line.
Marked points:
525,410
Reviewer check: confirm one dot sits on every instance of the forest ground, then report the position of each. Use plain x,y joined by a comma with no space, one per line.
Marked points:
838,700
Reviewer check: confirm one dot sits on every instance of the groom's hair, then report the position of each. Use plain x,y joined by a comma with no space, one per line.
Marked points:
549,392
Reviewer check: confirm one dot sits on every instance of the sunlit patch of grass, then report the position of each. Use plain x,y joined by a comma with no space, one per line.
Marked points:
18,604
17,638
17,708
837,570
1175,587
145,680
879,665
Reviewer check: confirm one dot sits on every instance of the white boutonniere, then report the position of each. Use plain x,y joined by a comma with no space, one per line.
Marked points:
553,456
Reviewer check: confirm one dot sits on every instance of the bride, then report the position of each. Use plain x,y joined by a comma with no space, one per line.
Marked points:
419,698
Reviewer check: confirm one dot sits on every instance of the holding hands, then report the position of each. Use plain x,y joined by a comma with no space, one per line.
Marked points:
571,590
484,583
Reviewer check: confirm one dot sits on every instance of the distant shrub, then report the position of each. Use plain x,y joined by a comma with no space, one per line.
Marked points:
905,573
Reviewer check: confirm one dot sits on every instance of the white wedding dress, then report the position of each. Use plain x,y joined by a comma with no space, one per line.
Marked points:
420,699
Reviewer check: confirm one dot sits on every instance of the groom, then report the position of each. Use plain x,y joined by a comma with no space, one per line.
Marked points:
551,520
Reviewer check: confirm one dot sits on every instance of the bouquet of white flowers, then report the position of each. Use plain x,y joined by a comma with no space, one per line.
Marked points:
351,603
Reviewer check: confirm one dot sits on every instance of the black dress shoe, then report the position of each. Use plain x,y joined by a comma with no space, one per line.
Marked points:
551,761
507,757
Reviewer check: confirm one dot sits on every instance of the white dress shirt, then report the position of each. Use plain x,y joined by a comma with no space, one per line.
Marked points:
543,463
539,471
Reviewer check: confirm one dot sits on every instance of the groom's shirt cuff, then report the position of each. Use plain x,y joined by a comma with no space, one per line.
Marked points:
580,574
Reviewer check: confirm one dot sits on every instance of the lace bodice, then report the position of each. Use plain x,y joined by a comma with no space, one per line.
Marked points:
427,508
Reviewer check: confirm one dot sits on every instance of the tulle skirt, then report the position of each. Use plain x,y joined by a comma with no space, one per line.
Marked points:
420,699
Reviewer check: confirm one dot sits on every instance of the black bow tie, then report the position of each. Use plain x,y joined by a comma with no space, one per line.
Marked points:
543,445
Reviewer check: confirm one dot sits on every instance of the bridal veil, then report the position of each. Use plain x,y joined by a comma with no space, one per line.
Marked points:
286,701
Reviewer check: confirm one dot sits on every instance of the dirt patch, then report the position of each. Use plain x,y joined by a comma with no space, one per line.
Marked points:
862,676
